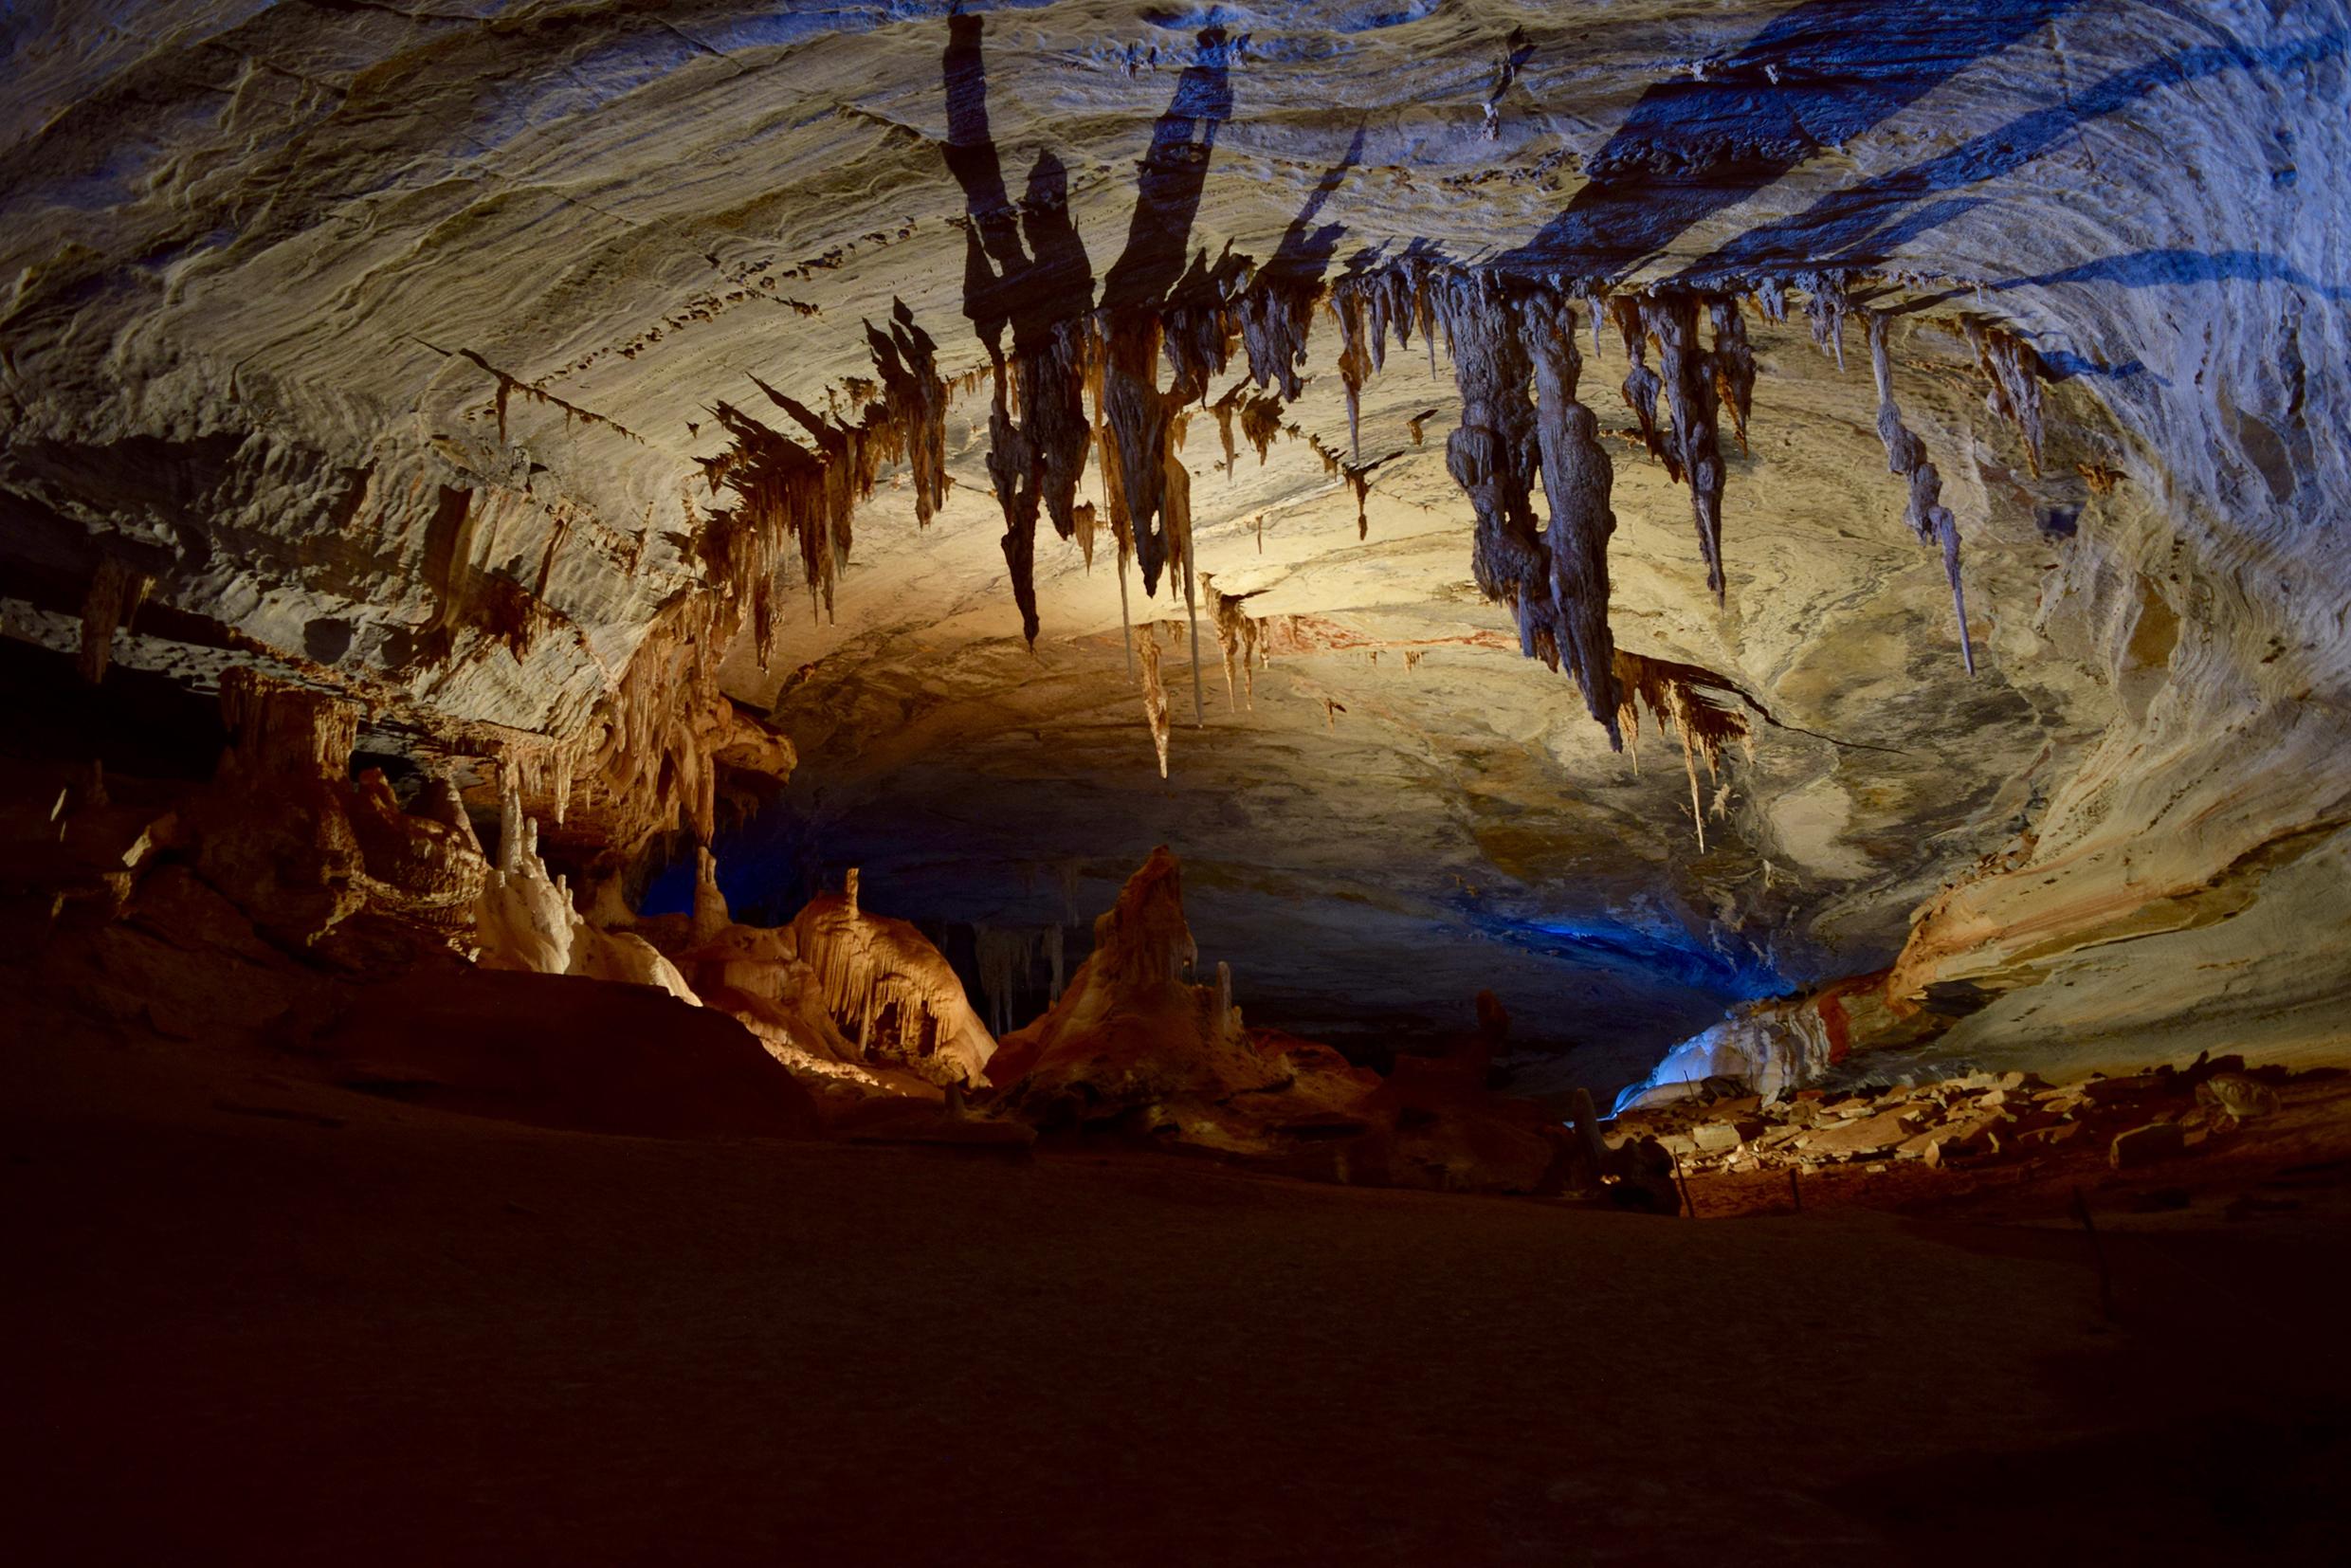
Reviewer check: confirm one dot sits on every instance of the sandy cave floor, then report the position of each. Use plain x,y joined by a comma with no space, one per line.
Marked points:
256,1319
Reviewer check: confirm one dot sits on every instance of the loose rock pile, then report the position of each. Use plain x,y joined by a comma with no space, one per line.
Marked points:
1983,1118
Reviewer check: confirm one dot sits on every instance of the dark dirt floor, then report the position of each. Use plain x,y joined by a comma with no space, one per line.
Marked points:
256,1319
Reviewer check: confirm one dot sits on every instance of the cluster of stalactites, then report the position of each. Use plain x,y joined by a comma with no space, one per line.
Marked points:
1369,305
1695,382
1517,367
785,490
2014,371
1672,692
1240,637
1515,364
1905,456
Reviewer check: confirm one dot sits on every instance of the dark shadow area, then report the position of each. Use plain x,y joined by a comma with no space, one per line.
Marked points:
136,721
1820,74
1173,172
1860,225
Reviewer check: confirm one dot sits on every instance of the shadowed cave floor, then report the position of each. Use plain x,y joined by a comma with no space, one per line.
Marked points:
262,1320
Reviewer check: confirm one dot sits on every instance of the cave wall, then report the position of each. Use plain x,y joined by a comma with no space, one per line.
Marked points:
385,344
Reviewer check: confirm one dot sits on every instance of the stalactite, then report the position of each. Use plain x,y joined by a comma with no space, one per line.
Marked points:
1137,422
1082,521
1261,423
1004,959
117,591
1824,307
1355,359
1491,455
1176,507
1671,693
1236,637
1358,479
1276,315
1641,385
916,399
1012,465
2013,370
1155,696
1695,449
1052,410
1224,409
1905,456
1578,478
1734,364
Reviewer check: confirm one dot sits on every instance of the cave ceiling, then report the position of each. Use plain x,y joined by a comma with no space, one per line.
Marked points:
287,277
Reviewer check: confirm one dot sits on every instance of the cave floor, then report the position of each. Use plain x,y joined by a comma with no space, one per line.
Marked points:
267,1319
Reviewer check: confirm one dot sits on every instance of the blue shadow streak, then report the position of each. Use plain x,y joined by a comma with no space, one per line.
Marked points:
1818,75
1859,225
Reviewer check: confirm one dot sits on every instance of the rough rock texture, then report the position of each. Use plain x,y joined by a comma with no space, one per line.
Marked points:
427,357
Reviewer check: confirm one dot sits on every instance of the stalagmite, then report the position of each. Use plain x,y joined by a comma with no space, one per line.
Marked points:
710,912
1905,456
881,982
116,592
1155,697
